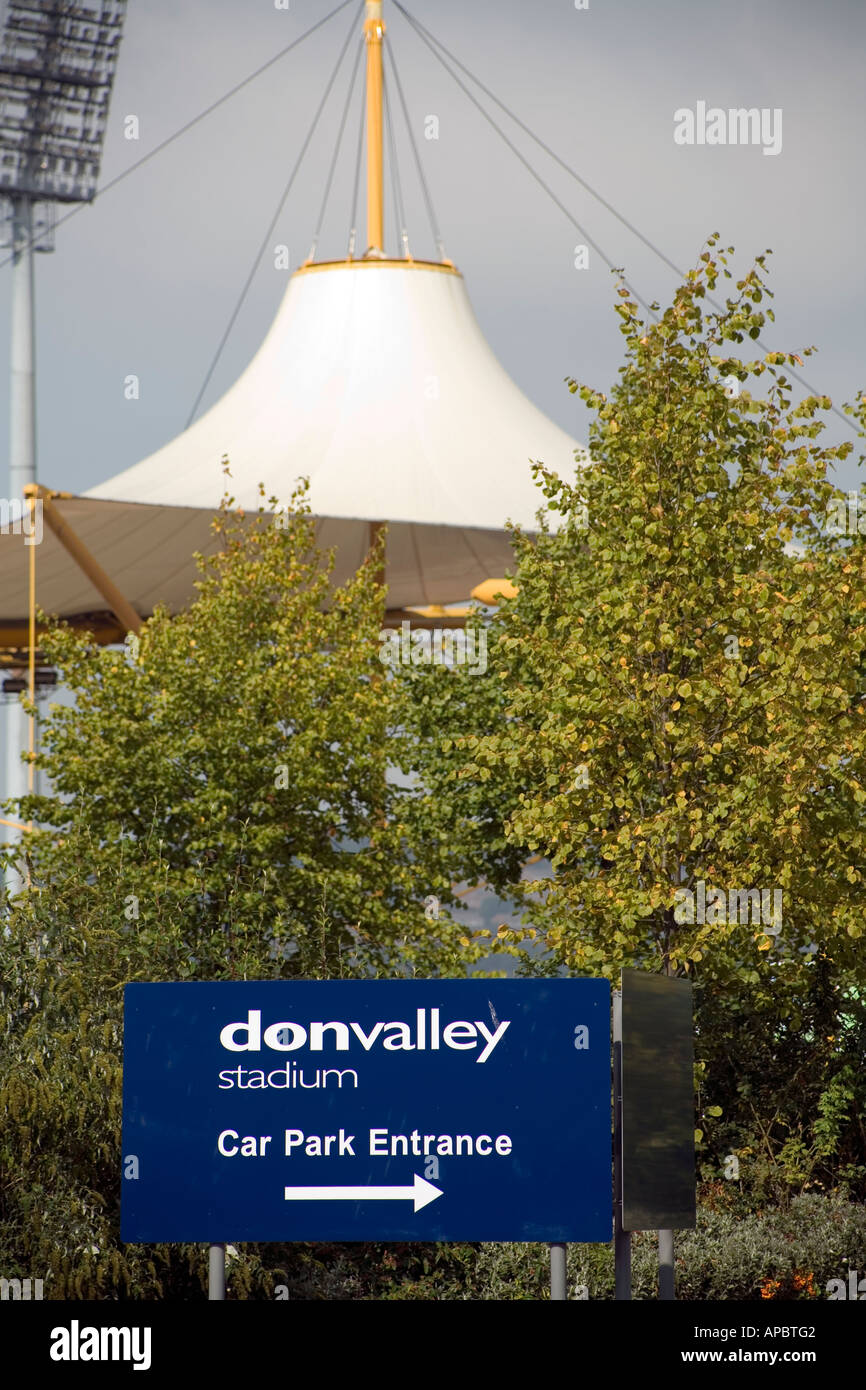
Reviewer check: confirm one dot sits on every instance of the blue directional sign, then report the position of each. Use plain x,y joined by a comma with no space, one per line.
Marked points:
377,1110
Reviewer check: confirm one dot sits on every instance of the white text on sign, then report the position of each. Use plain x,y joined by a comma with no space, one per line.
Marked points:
426,1033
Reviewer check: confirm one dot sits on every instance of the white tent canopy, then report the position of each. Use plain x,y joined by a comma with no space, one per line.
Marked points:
376,383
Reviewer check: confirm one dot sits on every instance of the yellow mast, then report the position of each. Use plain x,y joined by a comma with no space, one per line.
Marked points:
374,30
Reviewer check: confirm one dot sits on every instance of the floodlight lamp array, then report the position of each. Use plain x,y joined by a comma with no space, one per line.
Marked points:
57,66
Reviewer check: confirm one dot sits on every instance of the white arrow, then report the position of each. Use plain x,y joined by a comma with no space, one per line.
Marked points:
421,1193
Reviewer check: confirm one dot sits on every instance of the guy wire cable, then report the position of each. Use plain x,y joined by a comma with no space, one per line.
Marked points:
337,146
427,37
399,209
538,179
112,183
353,230
273,223
431,213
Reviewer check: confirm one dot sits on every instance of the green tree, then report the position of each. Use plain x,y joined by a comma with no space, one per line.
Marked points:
231,763
220,809
674,709
675,694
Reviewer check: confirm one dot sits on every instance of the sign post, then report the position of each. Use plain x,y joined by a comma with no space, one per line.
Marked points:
666,1266
621,1237
381,1110
558,1272
216,1274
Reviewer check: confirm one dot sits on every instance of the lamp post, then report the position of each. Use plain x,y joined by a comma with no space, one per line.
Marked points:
57,64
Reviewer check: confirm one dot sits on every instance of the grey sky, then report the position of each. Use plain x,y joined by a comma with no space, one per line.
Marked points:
145,279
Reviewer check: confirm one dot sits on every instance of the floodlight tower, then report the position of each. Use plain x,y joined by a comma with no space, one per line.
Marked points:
57,64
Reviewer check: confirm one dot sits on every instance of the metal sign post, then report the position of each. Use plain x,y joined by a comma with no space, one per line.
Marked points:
558,1272
666,1266
621,1237
667,1287
216,1273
